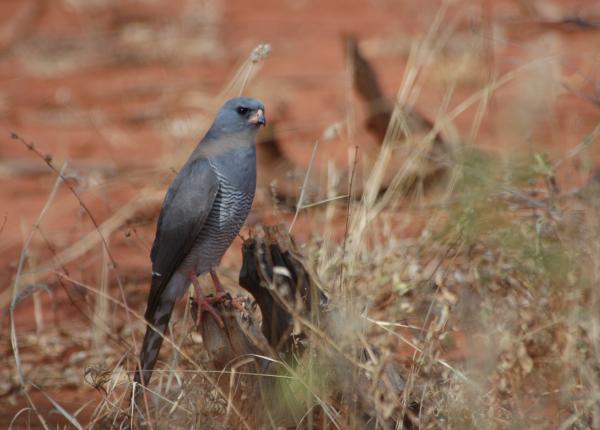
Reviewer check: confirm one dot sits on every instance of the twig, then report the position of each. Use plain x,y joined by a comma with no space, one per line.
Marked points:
594,100
90,240
115,338
69,417
15,290
349,202
304,185
416,348
48,160
585,142
243,73
165,338
325,201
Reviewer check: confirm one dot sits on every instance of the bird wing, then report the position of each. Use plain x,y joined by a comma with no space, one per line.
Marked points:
187,204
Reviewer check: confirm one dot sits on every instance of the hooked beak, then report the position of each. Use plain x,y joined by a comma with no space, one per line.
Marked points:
258,118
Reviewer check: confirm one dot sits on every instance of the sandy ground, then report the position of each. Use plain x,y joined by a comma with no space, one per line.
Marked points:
121,91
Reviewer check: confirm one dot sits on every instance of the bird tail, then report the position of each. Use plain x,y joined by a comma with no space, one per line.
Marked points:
158,320
158,314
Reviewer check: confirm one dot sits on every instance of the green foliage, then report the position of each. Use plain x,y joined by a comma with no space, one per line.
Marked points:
485,215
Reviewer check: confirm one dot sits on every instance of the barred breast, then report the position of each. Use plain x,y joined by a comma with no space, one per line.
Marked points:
229,212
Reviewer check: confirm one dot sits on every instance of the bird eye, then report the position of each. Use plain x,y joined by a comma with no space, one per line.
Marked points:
242,110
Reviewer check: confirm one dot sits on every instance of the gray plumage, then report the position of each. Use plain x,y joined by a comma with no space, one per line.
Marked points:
204,209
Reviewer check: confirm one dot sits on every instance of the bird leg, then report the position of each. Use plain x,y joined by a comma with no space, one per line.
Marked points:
204,304
220,292
217,282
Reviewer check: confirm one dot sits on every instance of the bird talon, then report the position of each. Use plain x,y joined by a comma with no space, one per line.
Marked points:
237,304
204,305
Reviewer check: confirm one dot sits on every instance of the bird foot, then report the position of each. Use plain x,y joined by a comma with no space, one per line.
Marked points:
206,304
221,293
240,307
231,301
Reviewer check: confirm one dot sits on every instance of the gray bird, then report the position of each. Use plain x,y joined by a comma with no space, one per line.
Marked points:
203,211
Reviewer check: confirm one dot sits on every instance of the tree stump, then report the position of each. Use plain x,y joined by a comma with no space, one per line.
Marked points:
261,367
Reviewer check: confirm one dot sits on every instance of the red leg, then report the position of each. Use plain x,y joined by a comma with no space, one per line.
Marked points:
221,292
204,304
217,282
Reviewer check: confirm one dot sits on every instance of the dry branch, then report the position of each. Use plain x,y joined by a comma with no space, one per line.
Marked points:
424,155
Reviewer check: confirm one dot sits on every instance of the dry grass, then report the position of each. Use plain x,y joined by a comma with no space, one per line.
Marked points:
490,312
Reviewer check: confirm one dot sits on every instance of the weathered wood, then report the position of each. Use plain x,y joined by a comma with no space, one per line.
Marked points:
274,273
290,300
234,349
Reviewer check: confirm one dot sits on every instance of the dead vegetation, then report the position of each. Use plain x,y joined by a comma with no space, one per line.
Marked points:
438,283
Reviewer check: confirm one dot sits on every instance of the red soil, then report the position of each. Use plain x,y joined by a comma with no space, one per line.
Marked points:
64,88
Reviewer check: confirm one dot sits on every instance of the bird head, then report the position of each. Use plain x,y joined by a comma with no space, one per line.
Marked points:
240,114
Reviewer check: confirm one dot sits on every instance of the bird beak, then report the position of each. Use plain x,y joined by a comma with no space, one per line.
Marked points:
258,118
